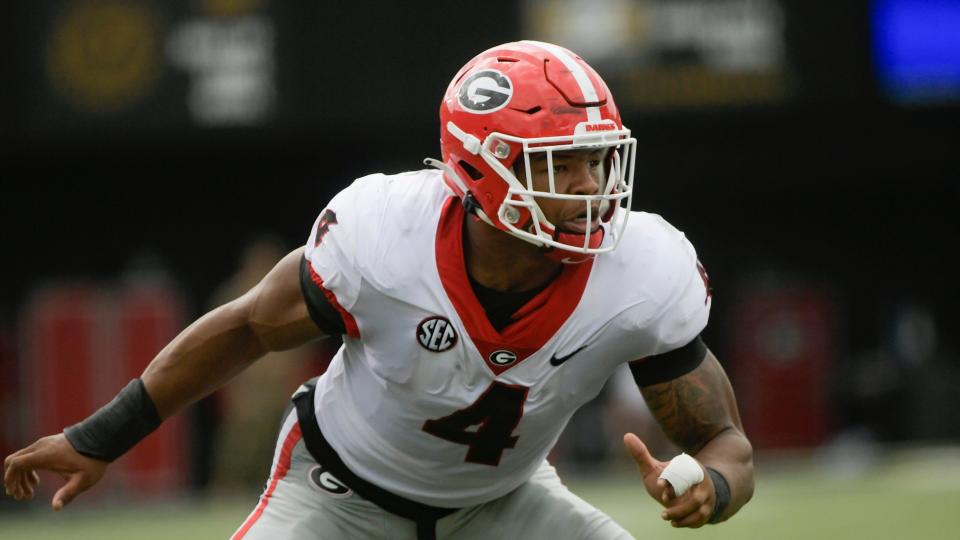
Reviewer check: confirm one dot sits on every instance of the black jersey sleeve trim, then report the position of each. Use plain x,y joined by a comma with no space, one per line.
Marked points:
324,314
669,365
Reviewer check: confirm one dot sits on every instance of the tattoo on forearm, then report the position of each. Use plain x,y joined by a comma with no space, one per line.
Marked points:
691,409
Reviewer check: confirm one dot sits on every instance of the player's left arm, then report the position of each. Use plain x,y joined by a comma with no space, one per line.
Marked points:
698,412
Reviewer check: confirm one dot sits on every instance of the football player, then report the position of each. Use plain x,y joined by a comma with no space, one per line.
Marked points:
481,302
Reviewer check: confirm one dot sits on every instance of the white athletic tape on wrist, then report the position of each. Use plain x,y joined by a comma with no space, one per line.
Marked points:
682,472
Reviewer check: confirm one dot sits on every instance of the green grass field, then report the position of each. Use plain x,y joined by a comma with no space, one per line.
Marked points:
908,495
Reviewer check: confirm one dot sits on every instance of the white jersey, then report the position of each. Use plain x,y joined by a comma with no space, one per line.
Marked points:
425,398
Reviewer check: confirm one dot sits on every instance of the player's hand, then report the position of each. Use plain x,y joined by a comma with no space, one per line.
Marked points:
692,509
55,454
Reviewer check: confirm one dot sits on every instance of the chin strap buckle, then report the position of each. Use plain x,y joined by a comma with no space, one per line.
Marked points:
470,204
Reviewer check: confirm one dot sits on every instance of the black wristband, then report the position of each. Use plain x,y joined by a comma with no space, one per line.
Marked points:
118,426
722,489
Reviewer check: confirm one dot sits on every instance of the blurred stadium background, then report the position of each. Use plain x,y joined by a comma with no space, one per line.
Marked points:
157,157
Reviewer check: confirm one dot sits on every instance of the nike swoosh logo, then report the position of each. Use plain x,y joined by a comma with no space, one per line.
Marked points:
557,360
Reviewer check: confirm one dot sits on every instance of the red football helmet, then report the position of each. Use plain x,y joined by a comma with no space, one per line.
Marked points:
520,99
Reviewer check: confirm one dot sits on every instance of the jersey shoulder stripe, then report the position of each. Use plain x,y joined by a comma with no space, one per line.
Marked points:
323,306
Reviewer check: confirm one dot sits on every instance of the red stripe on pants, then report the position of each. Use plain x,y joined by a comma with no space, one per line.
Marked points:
283,465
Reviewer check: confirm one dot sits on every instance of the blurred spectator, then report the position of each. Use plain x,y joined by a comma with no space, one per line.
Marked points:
906,388
250,406
929,406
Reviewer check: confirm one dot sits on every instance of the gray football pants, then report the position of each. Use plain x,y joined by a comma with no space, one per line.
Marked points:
302,502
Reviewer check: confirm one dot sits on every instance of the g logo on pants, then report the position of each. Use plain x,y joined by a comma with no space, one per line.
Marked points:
328,484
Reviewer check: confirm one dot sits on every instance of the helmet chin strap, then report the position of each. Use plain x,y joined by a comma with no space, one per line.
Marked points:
451,174
468,202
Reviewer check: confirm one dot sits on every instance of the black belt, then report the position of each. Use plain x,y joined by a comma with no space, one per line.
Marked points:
424,515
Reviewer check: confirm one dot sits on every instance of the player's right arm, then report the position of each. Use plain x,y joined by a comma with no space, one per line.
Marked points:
272,316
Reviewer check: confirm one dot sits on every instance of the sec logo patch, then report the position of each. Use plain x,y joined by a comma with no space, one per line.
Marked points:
436,334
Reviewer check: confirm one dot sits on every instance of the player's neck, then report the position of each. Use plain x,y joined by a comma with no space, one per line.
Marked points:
503,262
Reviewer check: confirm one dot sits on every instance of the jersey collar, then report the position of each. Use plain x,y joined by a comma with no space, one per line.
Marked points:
533,324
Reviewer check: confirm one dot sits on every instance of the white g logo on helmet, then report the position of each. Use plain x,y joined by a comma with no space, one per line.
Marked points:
485,91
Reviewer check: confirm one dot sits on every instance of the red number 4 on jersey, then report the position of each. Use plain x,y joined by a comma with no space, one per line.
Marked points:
496,413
